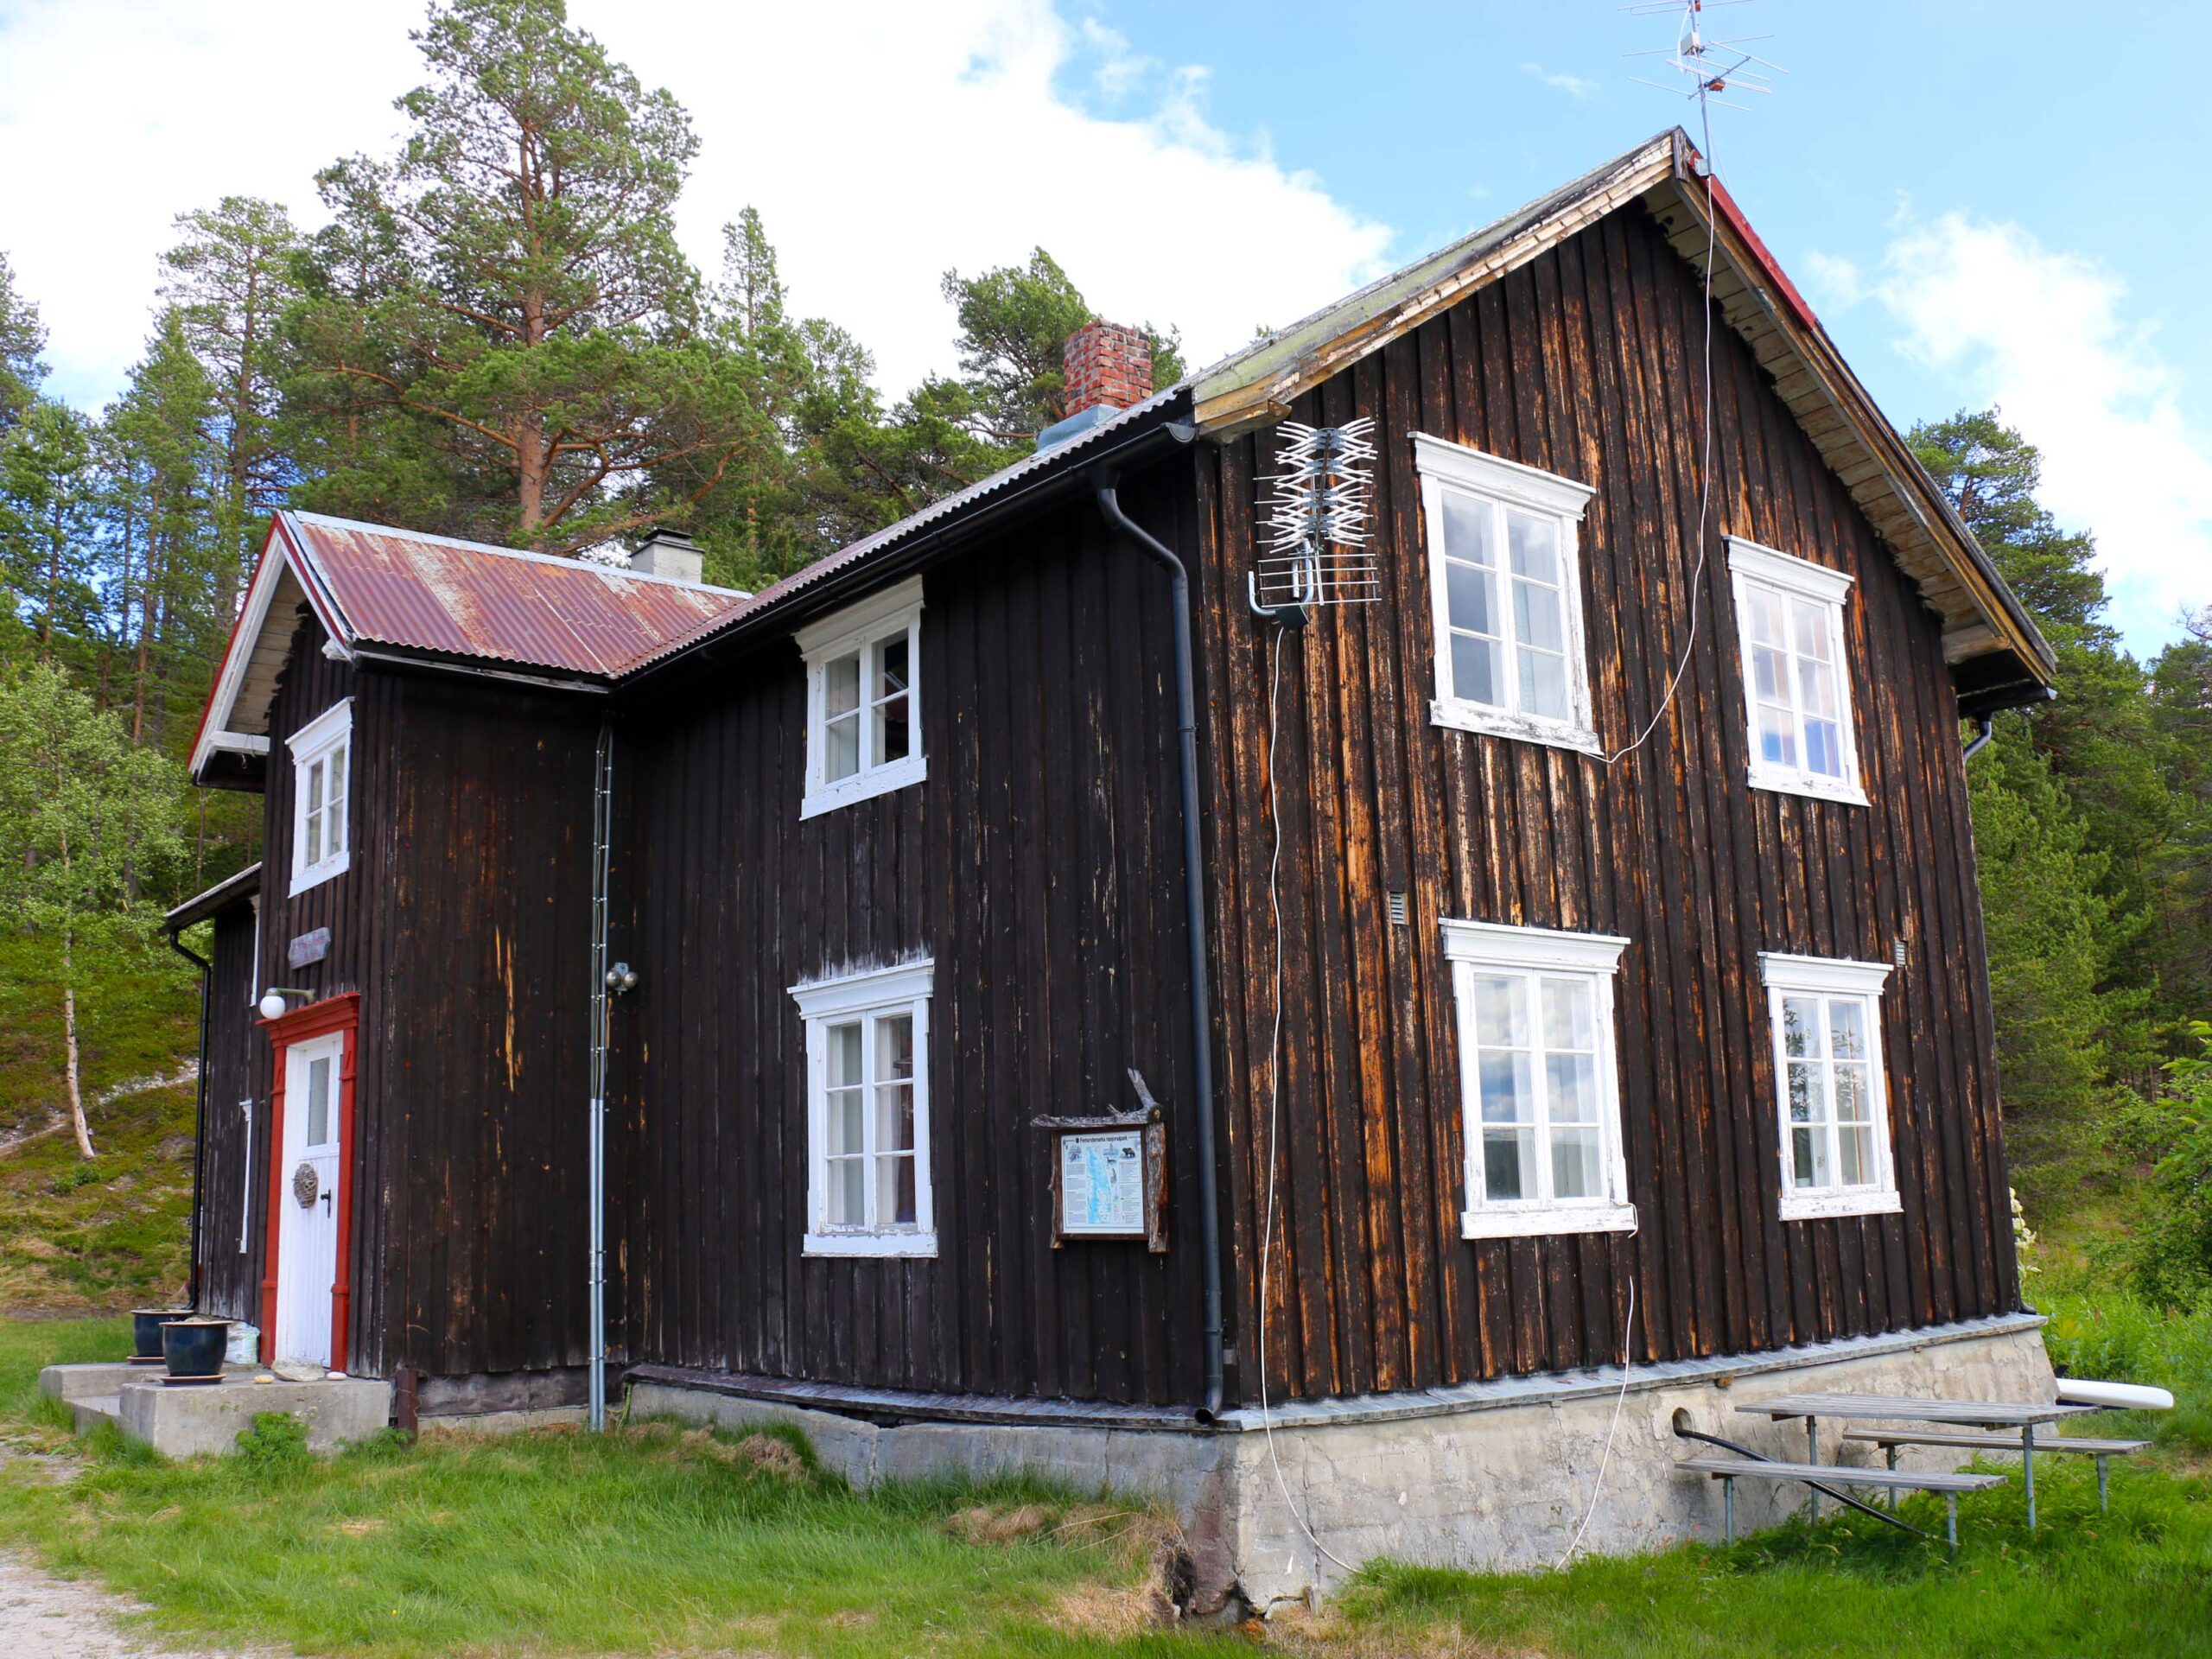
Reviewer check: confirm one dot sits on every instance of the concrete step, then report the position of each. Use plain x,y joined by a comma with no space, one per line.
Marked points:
74,1382
191,1422
91,1408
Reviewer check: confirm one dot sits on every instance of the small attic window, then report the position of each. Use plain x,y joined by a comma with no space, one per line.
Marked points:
863,700
322,795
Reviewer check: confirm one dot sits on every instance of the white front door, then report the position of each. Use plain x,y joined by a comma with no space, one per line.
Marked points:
307,1252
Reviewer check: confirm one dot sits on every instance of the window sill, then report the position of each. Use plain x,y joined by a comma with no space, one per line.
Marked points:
315,876
1460,716
1783,782
1822,1206
865,786
878,1244
1538,1223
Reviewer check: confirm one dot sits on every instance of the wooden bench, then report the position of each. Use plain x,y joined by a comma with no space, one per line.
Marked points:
2103,1451
1729,1471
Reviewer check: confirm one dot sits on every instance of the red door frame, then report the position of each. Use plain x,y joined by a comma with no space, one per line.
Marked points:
341,1014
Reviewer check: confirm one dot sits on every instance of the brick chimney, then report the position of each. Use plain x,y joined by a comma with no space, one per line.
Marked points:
1107,367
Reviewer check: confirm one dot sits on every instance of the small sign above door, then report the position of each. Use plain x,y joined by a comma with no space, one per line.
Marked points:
308,948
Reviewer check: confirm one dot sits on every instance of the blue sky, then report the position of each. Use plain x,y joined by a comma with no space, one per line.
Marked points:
1984,202
2083,132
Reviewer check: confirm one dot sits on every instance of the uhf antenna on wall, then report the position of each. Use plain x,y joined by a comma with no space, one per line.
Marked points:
1315,548
1712,68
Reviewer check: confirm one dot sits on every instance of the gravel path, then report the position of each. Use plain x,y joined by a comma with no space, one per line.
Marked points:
45,1617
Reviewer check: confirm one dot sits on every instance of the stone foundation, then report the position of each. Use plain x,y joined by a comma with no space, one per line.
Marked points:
1495,1475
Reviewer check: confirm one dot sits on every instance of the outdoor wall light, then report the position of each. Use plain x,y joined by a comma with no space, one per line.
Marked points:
621,977
272,1001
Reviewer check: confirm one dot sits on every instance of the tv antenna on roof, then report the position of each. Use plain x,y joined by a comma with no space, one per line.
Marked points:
1711,67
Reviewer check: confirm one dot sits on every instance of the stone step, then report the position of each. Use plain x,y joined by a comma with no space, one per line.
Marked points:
191,1422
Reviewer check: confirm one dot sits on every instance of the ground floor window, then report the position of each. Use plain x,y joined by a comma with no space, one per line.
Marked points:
868,1112
1831,1096
1539,1080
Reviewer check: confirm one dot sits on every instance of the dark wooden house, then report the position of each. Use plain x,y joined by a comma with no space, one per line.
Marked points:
1031,987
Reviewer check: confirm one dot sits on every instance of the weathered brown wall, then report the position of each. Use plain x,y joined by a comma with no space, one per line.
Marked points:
1585,363
1039,864
462,920
231,1177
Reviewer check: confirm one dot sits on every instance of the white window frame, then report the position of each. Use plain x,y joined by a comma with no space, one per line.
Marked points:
862,627
1475,948
823,1003
1448,469
318,740
1751,565
1832,977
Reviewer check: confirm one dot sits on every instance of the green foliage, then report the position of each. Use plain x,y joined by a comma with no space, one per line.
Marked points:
2172,1246
22,337
2105,1327
527,316
276,1444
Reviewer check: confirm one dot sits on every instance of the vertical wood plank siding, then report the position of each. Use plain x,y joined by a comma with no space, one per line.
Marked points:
230,1178
1585,363
462,920
1039,864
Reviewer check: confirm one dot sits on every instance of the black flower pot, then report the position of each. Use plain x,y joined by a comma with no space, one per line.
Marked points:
194,1347
146,1325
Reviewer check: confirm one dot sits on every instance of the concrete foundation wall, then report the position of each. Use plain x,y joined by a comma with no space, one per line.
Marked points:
1493,1475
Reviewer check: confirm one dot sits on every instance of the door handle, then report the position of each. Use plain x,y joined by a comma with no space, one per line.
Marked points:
325,1201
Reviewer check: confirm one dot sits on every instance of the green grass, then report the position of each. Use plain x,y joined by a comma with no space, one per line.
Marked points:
659,1542
112,1233
2136,1582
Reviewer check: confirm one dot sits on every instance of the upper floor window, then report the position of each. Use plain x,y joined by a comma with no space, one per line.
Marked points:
1506,584
1796,684
1539,1084
1831,1095
867,1117
322,752
863,700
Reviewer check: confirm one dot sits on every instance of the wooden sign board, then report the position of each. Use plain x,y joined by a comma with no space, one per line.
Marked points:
1109,1182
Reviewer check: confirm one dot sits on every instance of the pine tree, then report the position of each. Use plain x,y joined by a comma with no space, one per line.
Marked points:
230,280
529,306
22,338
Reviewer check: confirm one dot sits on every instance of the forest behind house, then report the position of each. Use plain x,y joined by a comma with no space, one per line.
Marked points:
493,334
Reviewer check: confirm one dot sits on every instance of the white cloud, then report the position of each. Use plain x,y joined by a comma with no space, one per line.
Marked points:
883,144
1575,86
2046,335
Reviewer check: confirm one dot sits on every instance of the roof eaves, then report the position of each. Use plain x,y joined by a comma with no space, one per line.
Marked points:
225,893
939,517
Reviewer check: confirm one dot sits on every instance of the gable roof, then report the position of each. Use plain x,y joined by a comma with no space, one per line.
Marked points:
440,600
1988,637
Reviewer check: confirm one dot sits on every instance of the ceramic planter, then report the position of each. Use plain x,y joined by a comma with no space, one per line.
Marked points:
193,1347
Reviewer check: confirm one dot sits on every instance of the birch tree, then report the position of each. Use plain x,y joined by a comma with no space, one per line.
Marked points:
84,815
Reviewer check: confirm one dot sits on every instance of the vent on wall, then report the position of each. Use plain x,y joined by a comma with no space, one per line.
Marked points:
1399,916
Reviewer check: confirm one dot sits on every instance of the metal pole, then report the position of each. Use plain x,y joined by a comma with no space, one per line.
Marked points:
1728,1509
2102,1504
2028,1469
1813,1455
601,826
1951,1521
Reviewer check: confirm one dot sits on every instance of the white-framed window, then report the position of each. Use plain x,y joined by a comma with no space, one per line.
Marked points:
868,1112
1505,589
1539,1080
863,700
322,804
1796,682
1832,1097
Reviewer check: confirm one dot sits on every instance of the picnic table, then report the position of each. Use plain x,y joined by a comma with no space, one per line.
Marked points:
1885,1407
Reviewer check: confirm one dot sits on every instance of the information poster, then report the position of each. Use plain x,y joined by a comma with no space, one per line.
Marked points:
1102,1185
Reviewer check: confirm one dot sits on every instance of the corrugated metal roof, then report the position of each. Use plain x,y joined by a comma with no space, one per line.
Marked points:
882,541
465,599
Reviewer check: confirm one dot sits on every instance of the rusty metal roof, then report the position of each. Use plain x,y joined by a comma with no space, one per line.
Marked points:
465,599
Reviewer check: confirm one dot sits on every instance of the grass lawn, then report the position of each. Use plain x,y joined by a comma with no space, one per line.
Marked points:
658,1542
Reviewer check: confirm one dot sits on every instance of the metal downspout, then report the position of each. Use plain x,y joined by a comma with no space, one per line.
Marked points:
601,827
1194,905
1987,727
199,1118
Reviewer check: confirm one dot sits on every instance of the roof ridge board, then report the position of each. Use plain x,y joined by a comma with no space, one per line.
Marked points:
1440,265
462,544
